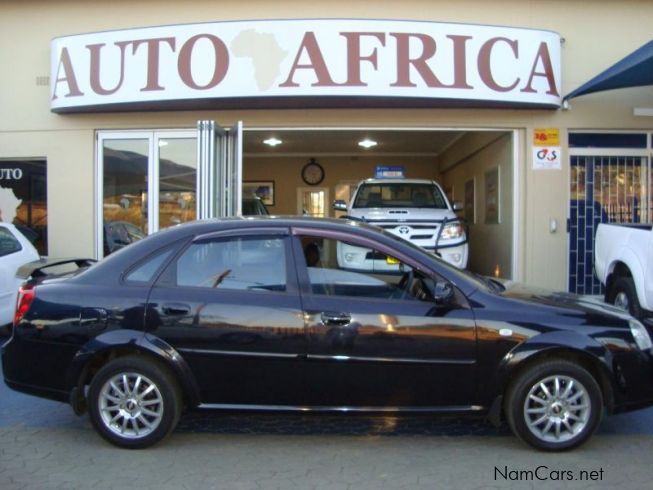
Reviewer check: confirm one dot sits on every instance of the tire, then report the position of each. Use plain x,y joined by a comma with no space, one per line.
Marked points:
134,402
554,422
624,295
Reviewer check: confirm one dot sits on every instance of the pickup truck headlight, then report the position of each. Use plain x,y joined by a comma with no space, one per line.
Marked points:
640,334
452,230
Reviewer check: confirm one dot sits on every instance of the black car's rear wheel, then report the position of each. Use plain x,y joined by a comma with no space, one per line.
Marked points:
554,405
134,402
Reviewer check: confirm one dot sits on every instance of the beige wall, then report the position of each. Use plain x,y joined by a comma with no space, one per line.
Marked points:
597,33
490,245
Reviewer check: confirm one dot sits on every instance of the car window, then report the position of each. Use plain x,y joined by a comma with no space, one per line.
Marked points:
144,272
8,243
243,263
393,195
339,268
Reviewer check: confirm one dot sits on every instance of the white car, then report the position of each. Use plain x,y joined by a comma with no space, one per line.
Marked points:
623,261
15,251
414,209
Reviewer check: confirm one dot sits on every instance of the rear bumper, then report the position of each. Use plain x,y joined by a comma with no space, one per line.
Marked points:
36,368
12,367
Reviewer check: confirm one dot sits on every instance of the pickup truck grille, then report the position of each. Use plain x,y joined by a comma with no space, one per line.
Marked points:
421,233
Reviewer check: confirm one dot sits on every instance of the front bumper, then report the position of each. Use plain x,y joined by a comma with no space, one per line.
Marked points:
633,380
456,255
364,259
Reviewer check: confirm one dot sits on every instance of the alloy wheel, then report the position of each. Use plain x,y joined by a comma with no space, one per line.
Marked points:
131,405
557,408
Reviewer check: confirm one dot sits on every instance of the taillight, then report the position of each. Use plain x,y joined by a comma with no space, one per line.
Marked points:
26,295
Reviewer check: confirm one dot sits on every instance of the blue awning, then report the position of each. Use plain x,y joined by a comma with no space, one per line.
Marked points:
635,70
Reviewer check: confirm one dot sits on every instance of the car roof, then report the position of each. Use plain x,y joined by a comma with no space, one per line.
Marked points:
127,255
112,268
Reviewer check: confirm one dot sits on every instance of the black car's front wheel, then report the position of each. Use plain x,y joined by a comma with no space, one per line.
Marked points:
554,405
134,402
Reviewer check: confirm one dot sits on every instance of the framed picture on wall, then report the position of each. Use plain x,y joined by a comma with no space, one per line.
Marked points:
470,201
492,197
263,189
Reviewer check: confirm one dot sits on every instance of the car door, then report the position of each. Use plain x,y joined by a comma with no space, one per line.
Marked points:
229,304
377,337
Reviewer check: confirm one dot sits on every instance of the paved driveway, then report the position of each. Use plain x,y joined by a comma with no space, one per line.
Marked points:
43,445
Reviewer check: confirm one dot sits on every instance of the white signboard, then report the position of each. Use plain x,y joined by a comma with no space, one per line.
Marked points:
362,61
546,158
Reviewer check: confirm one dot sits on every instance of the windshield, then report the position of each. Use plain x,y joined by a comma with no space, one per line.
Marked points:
400,195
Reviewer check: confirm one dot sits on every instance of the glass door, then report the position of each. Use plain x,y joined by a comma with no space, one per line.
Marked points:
312,201
123,190
146,181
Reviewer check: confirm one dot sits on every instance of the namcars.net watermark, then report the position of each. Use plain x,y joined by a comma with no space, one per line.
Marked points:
546,473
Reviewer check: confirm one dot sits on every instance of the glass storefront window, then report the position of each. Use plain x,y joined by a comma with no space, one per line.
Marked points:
24,201
177,181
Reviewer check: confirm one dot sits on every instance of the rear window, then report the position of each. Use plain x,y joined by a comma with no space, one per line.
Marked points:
8,243
399,195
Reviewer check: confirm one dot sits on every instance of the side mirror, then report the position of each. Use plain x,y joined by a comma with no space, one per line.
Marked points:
457,206
339,205
443,293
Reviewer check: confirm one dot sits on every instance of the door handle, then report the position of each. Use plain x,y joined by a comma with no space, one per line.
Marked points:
176,309
339,319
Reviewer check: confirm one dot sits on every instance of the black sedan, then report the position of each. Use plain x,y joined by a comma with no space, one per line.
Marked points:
280,314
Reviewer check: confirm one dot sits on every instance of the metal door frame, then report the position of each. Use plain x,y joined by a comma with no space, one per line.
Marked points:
219,170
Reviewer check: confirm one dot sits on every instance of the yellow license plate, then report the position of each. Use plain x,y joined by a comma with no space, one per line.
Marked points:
391,260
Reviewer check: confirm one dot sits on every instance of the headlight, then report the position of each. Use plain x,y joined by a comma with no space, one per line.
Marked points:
452,230
641,336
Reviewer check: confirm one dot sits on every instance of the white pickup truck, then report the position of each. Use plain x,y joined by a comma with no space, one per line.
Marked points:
414,209
623,261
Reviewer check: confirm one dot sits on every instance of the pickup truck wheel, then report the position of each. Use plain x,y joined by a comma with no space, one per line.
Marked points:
134,402
623,295
554,405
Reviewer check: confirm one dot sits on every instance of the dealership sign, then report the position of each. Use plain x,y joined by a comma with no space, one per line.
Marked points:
290,63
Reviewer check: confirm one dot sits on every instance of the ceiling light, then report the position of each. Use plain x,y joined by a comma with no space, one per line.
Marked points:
367,143
272,141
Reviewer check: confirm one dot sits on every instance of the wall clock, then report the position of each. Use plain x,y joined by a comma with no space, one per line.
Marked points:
312,173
